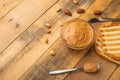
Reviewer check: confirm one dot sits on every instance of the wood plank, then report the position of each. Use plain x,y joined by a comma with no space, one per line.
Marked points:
116,74
7,5
10,28
56,31
48,62
34,30
25,38
27,54
60,61
105,72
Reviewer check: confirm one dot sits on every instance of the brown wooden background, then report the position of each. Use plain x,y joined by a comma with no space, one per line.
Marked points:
25,56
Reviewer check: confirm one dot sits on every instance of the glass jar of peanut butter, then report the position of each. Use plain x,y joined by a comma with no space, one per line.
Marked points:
77,34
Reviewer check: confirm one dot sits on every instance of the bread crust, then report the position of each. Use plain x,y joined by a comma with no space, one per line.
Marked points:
101,54
106,53
115,55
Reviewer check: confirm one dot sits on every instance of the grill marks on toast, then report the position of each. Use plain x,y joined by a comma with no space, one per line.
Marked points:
105,28
110,39
99,45
108,43
100,51
112,33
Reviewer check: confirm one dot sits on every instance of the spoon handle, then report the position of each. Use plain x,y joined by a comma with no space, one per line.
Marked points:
103,19
64,71
110,19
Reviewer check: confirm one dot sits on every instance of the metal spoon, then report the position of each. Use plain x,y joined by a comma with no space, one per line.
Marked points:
103,19
74,69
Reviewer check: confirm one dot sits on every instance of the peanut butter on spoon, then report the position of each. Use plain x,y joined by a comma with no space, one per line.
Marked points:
90,67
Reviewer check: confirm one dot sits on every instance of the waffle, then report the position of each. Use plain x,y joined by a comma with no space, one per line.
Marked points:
108,43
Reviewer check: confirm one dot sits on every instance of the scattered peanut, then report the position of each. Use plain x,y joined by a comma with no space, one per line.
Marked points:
48,25
17,25
48,31
3,4
10,20
52,53
80,10
68,12
58,9
75,1
46,41
97,12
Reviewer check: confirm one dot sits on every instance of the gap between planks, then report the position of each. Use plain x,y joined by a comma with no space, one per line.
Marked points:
53,43
1,55
13,53
28,17
115,13
7,6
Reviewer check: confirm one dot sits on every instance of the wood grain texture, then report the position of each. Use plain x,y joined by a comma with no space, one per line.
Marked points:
15,28
7,5
24,15
42,65
115,75
105,72
36,29
28,57
59,61
27,53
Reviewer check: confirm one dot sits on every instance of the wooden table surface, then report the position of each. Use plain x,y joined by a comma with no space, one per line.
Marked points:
24,55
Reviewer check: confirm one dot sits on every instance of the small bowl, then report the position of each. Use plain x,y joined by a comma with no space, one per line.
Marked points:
77,34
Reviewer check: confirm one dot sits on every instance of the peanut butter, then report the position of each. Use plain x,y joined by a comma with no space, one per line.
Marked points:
77,33
90,67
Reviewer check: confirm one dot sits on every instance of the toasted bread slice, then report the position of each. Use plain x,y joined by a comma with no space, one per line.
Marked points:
110,39
100,51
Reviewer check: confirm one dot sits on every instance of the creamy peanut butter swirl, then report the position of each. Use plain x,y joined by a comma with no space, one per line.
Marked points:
77,33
